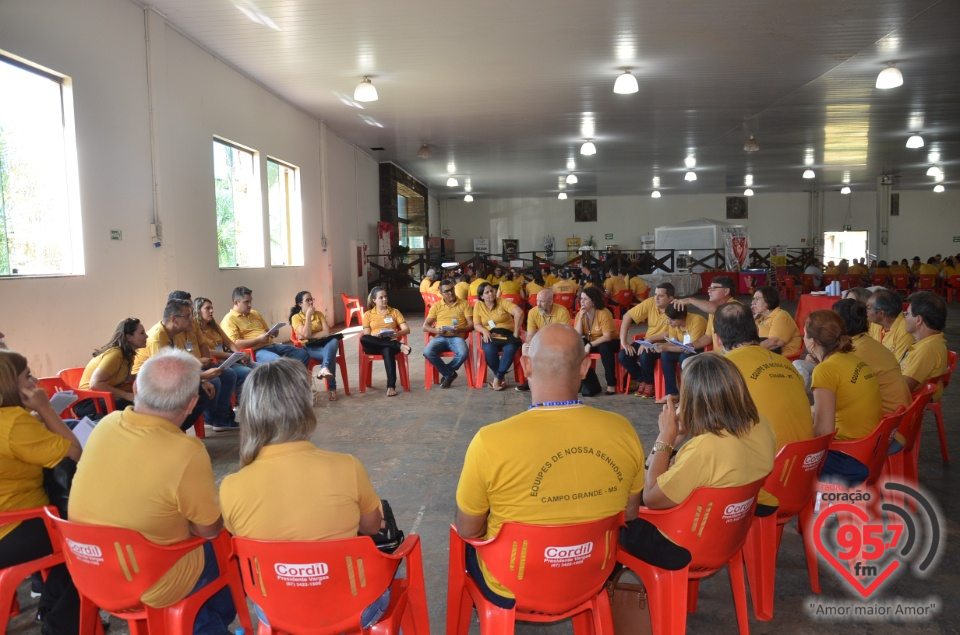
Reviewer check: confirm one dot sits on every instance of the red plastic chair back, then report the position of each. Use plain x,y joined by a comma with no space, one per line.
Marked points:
879,280
952,286
901,282
790,288
913,418
72,377
351,307
565,299
926,282
795,472
513,297
871,450
11,577
429,299
341,361
322,586
808,282
472,299
53,385
937,409
366,367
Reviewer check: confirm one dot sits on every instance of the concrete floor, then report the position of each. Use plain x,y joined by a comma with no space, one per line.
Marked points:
413,446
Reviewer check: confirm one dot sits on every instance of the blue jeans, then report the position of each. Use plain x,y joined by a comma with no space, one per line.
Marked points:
499,355
219,409
242,372
370,615
217,613
275,351
639,366
455,345
327,356
669,361
843,468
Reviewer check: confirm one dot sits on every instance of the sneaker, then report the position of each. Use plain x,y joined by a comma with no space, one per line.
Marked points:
524,387
448,380
641,389
225,425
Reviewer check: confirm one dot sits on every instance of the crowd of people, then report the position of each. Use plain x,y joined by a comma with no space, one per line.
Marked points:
745,390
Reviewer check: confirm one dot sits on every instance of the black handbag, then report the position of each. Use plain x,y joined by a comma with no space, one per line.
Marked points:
590,385
57,482
390,537
320,342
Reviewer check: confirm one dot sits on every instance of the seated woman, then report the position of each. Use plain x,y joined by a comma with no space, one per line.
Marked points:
536,284
313,331
498,322
595,325
778,332
110,369
28,446
335,499
381,317
729,446
510,284
846,393
218,343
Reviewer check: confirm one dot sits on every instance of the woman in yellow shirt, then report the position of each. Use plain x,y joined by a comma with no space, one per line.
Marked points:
218,343
536,285
498,322
313,331
510,285
110,369
383,326
600,335
775,326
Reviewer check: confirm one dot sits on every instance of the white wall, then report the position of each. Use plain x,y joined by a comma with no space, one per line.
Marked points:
101,45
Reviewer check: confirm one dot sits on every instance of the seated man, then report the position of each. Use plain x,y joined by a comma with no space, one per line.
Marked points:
450,321
565,284
121,482
886,311
719,292
814,269
925,320
248,329
546,312
547,441
639,361
429,282
462,288
686,328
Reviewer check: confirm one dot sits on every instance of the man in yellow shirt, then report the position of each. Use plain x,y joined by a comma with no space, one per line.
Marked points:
248,329
930,268
546,312
614,282
462,288
885,309
173,495
430,282
565,285
450,321
927,357
719,292
568,446
638,360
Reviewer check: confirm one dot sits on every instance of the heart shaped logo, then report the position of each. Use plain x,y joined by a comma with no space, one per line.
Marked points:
865,591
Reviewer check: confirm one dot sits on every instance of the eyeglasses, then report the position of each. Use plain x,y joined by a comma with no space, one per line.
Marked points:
188,316
714,287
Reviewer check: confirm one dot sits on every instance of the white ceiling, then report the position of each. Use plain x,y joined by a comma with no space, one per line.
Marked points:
501,88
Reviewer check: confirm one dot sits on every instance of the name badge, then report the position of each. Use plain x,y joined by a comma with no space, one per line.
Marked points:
686,339
492,324
388,320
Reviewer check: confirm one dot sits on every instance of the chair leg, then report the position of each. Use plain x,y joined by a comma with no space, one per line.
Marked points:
760,557
934,406
805,525
735,568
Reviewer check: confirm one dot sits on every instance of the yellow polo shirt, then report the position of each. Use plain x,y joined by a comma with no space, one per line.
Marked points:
475,286
425,285
499,314
462,290
536,319
375,321
893,389
638,285
564,286
925,359
143,473
897,340
445,314
648,312
244,327
602,323
510,287
693,329
533,289
614,284
317,321
780,325
112,362
157,339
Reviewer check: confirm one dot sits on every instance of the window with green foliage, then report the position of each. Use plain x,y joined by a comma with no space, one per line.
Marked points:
239,209
40,230
286,221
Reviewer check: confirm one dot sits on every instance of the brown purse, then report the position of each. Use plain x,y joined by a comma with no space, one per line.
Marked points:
629,605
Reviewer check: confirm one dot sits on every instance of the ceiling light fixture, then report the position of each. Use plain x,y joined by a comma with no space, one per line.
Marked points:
933,171
656,182
938,188
626,83
890,77
933,156
588,148
915,141
939,177
748,180
690,162
452,182
467,187
468,198
748,192
655,194
365,91
690,176
571,179
809,174
751,145
571,164
424,152
845,189
562,196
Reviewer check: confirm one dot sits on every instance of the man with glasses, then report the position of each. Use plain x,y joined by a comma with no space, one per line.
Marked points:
925,319
248,329
719,292
640,361
449,321
885,309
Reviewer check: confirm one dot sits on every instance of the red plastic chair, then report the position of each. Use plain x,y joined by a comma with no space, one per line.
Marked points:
53,385
472,299
549,584
849,282
72,377
565,299
879,280
431,375
936,409
712,524
952,286
366,367
595,357
790,288
321,587
903,467
12,577
480,374
792,481
623,299
429,299
341,362
901,283
927,282
808,282
351,307
112,567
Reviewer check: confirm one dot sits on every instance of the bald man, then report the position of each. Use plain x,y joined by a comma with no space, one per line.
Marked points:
556,463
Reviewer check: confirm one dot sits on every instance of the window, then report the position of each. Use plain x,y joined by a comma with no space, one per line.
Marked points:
411,217
239,211
286,224
40,231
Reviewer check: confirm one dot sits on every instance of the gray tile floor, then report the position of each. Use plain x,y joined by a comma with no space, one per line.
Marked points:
413,446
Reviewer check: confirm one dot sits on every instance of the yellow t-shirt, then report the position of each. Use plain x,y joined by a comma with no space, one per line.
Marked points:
157,339
375,321
455,314
925,359
425,285
858,393
551,280
494,280
317,321
112,362
898,270
716,344
780,325
897,340
893,389
475,285
339,493
692,330
210,336
462,290
121,483
638,285
648,312
929,270
550,466
499,314
536,319
613,284
510,287
533,289
564,286
244,327
601,323
711,460
26,447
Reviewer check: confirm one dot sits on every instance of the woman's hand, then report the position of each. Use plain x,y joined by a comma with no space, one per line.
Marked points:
669,422
35,398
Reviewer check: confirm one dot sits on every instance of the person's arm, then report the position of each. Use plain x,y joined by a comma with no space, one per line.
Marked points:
633,506
479,326
702,342
324,327
517,314
402,329
470,526
772,342
670,431
207,531
704,305
912,383
99,381
428,326
824,411
253,341
370,523
39,402
305,330
625,342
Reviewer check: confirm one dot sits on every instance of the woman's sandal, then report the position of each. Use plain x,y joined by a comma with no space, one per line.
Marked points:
405,349
391,392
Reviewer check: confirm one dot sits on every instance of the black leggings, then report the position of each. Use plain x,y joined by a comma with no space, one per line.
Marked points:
59,600
373,345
